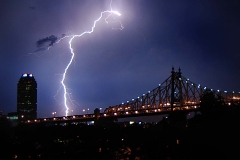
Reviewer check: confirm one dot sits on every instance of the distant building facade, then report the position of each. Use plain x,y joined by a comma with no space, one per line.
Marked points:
12,116
27,97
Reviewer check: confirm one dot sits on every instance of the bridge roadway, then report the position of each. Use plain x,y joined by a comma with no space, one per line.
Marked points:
115,115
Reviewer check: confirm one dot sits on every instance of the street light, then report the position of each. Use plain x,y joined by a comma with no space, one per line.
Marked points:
88,110
54,113
100,110
72,112
83,111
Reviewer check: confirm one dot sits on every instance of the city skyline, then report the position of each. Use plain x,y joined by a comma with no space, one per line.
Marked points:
114,66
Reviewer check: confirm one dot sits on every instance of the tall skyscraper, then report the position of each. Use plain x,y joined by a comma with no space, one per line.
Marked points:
27,97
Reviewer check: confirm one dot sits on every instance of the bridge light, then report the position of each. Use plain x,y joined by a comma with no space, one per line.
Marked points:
28,121
233,91
218,90
205,87
126,112
54,118
180,79
159,84
148,91
236,98
155,110
136,112
74,117
225,91
143,94
137,97
122,103
132,99
115,114
211,89
188,79
147,111
127,101
104,115
35,120
192,84
45,119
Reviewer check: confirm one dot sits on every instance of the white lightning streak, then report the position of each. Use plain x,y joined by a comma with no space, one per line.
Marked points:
73,54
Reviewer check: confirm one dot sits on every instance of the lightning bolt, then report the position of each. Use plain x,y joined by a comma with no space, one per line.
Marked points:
72,37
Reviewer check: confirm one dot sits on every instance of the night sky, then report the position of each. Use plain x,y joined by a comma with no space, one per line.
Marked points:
113,66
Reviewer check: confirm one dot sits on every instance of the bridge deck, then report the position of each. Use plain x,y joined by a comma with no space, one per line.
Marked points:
116,115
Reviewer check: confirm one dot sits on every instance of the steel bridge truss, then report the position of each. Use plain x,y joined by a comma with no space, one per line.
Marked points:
175,93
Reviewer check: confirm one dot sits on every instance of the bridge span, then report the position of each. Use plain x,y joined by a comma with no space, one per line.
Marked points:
115,115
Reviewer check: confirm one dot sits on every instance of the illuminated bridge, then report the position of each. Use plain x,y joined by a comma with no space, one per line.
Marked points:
175,94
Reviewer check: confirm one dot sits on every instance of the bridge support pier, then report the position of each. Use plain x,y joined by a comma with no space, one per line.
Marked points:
96,116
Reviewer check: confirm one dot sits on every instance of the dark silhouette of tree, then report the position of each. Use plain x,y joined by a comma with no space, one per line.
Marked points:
220,101
208,98
208,103
212,106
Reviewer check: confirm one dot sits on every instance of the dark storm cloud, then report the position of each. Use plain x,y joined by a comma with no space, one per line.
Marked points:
50,40
46,43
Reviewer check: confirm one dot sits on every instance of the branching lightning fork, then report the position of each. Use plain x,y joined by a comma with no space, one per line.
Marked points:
72,37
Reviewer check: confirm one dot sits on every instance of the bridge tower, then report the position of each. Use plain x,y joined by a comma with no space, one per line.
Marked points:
176,94
172,88
96,116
